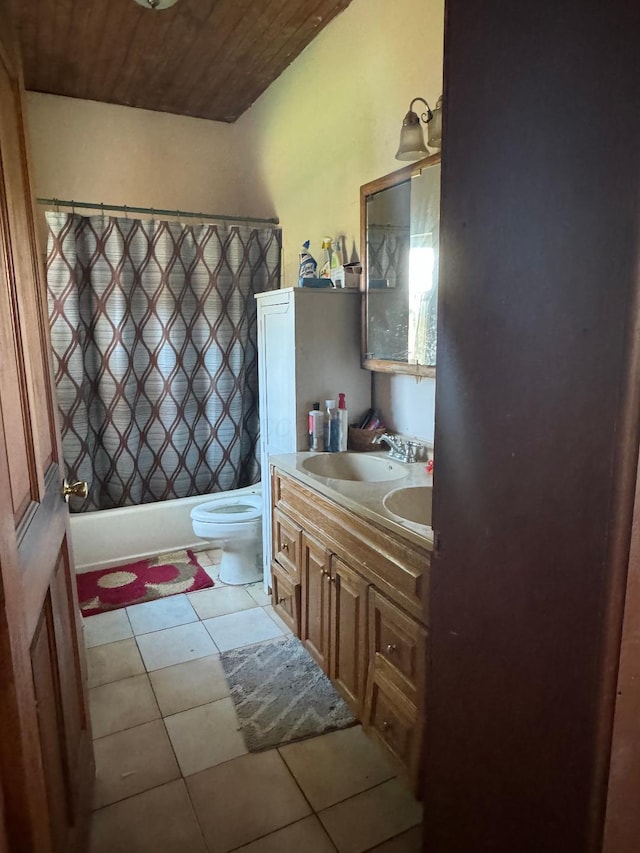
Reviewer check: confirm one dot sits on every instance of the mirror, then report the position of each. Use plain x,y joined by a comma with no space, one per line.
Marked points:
400,231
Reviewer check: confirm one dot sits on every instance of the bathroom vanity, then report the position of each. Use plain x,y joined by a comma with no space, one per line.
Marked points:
351,579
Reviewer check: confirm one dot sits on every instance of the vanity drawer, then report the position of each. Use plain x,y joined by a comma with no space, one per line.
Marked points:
285,596
397,645
287,537
392,720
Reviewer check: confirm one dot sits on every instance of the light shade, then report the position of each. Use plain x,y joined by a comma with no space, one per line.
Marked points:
156,5
434,135
412,145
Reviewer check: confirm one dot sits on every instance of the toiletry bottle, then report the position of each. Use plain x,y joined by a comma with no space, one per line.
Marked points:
308,267
316,428
331,427
343,420
325,269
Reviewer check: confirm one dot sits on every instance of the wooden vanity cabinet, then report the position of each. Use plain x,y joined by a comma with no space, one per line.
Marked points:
394,704
362,593
287,538
333,625
285,565
285,595
316,593
348,653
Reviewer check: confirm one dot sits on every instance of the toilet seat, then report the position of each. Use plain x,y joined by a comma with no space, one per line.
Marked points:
225,510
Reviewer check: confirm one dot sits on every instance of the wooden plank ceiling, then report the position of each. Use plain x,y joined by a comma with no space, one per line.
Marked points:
206,58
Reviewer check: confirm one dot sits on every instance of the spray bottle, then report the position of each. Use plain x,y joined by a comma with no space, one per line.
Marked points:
308,266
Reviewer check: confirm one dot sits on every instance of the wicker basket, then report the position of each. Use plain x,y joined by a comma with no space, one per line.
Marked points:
360,440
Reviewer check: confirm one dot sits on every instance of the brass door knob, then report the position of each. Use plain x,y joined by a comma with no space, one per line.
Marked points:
80,489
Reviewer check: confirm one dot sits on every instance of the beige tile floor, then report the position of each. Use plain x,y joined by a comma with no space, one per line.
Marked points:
173,773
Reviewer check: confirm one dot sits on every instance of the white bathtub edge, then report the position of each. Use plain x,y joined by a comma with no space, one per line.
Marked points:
112,537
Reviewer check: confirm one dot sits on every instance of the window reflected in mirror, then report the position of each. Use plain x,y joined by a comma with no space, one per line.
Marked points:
401,216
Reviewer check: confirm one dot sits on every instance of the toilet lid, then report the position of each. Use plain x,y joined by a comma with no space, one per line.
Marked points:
226,509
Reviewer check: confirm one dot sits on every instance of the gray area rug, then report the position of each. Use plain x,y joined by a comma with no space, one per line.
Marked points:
281,694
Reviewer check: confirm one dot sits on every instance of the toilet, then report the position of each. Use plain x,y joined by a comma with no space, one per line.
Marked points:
233,522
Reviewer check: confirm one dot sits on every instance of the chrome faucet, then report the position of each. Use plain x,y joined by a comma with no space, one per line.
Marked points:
403,451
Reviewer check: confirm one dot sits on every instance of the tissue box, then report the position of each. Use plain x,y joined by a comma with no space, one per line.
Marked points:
347,275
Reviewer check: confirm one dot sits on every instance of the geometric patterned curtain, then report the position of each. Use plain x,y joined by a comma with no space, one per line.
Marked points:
388,298
153,327
388,253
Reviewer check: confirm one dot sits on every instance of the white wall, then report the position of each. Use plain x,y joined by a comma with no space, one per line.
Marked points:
87,151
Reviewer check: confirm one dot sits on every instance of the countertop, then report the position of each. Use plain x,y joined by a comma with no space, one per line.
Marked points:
365,499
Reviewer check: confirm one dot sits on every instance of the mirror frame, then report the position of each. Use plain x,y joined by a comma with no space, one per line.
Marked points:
380,365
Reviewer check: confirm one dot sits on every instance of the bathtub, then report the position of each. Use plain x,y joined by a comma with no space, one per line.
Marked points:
113,536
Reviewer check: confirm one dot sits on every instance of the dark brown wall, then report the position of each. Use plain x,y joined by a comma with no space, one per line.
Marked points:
540,224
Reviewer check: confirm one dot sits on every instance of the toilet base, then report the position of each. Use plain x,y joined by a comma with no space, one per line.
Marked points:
241,565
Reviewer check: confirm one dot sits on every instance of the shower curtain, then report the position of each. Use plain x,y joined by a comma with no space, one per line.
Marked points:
153,329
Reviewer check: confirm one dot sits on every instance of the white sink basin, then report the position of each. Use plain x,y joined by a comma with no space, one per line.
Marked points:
359,467
412,503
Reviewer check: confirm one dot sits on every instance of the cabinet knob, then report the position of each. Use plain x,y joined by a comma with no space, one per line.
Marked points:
323,572
333,580
281,600
386,725
285,546
391,648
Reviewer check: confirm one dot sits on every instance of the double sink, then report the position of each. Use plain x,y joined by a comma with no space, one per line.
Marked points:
409,503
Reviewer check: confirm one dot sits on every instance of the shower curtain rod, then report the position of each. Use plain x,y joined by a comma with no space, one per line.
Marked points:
124,208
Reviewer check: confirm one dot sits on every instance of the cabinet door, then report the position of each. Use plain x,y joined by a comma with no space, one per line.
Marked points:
394,701
286,598
276,373
316,592
397,646
276,396
394,723
348,633
286,543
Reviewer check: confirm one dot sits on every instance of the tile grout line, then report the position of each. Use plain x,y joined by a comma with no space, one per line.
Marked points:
313,811
338,802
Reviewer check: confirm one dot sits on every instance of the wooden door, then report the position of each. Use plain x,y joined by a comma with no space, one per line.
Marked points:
348,633
46,765
316,592
538,422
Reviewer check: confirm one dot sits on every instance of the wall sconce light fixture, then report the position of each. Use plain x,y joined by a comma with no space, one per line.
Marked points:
412,145
156,5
